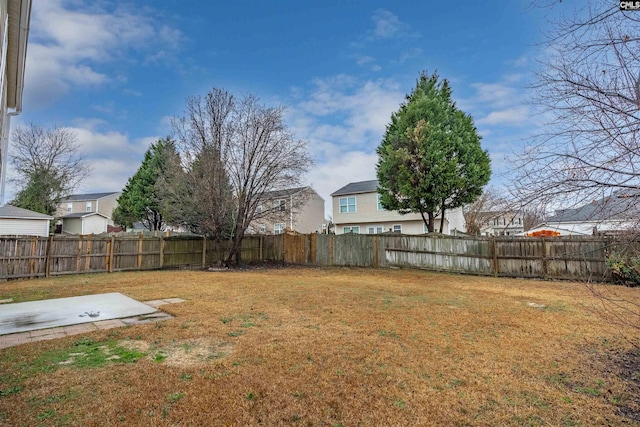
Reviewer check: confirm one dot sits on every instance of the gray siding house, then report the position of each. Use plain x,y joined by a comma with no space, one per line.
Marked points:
103,203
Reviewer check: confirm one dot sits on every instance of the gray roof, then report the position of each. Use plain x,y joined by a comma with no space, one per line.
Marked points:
87,196
358,187
286,193
9,211
616,206
83,214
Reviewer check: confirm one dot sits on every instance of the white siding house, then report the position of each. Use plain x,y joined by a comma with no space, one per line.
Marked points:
85,223
22,222
357,209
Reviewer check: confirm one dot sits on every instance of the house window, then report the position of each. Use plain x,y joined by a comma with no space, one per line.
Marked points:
263,228
397,228
380,208
259,209
88,207
354,230
279,228
375,229
347,204
69,207
278,205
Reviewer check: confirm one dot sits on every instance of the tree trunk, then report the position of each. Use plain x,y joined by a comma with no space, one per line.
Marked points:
430,222
442,221
235,252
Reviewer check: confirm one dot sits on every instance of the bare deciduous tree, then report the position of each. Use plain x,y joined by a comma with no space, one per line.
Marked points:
249,151
488,207
589,93
48,166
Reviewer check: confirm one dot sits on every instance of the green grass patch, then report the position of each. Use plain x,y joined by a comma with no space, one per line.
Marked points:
174,397
84,353
11,390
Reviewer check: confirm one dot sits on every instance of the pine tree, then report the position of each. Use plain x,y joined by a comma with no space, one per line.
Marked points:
141,199
430,160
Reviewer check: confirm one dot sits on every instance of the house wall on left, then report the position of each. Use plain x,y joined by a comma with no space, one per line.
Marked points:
14,32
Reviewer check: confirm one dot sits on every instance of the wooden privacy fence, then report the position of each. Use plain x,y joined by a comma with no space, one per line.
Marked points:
575,258
22,257
557,257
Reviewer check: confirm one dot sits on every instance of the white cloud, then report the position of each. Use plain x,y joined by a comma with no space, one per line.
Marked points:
339,170
112,157
344,120
495,94
515,116
361,109
70,43
387,25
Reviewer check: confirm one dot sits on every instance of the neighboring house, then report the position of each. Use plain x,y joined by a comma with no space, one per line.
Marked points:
22,222
14,32
357,209
85,223
615,214
103,203
502,223
296,209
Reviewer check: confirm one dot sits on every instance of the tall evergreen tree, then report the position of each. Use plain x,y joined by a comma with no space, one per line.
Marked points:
141,199
430,160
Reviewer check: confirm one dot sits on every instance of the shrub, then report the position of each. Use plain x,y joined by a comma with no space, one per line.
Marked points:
624,269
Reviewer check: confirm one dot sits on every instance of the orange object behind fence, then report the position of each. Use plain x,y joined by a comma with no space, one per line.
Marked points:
544,233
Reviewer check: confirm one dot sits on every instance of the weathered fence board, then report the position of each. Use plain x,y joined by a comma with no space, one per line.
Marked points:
558,257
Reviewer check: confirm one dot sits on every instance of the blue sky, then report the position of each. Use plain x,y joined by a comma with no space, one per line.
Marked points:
117,71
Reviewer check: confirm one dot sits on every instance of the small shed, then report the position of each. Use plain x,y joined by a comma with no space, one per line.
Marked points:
84,223
16,221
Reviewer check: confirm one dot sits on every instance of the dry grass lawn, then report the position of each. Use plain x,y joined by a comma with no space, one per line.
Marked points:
327,347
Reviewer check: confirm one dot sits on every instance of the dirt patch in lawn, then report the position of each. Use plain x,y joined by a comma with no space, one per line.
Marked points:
328,347
188,353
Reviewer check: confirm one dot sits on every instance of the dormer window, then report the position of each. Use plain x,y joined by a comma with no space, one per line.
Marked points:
279,205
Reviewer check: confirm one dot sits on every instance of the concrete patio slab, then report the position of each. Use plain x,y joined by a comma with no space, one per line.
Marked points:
34,315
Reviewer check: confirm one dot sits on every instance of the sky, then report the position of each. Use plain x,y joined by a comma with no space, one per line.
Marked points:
116,72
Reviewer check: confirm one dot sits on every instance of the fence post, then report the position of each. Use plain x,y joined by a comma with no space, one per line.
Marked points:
47,258
87,258
139,263
204,252
375,251
331,257
544,258
312,248
285,246
161,263
79,257
112,243
260,250
32,259
494,251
